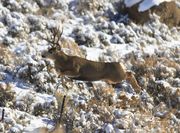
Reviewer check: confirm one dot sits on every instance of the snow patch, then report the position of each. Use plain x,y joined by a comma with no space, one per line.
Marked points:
144,4
130,3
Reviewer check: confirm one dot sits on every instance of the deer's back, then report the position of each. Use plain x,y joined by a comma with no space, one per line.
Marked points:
92,70
114,72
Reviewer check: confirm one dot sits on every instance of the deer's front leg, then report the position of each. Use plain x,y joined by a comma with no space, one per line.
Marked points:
73,72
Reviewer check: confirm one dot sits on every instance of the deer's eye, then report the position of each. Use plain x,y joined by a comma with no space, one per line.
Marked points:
50,51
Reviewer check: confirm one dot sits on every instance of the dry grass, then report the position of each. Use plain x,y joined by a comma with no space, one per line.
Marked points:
6,56
91,5
146,67
70,44
45,11
7,95
154,68
57,114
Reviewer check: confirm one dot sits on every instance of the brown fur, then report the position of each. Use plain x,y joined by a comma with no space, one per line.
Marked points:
70,44
82,69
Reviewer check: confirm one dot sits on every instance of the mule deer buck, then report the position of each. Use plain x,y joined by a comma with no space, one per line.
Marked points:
78,68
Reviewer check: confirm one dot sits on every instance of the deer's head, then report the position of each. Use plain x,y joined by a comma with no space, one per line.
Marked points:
54,42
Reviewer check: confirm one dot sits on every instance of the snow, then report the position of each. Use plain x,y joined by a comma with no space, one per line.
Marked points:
130,3
102,40
109,128
92,53
144,4
147,4
34,124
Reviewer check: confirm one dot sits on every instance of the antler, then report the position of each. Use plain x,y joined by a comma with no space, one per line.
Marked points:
54,38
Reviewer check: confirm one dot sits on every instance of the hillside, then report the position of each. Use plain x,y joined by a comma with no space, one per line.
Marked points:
32,90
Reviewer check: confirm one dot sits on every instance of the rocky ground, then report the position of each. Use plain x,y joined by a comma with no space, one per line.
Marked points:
168,12
31,92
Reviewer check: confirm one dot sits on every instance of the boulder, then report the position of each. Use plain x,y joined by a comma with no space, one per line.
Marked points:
169,13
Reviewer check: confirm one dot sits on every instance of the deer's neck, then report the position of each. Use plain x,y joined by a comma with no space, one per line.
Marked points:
62,56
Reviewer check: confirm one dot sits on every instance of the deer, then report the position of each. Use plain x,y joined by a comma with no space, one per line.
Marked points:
78,68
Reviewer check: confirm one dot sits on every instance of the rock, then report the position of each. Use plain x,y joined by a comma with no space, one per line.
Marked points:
168,11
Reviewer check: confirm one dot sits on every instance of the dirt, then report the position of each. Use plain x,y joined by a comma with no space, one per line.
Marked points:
168,11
